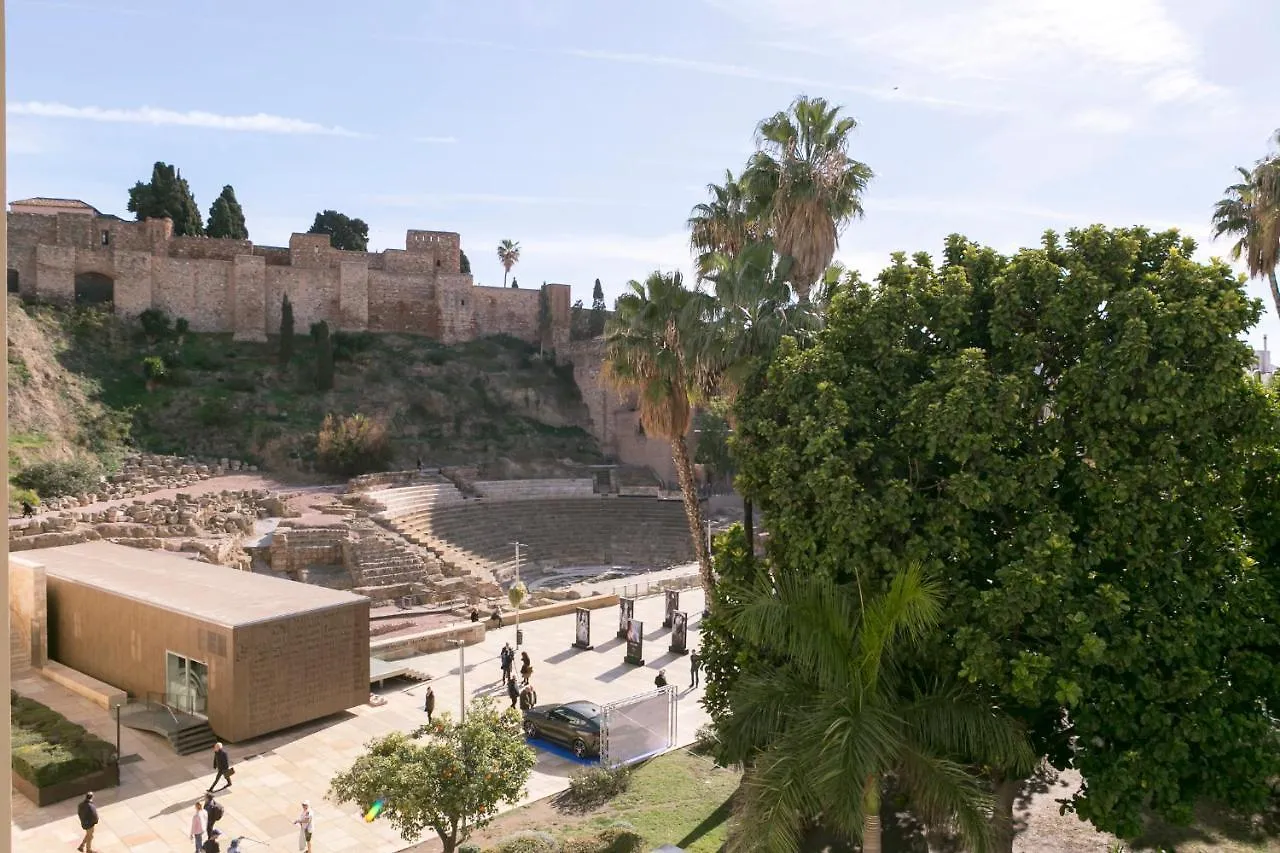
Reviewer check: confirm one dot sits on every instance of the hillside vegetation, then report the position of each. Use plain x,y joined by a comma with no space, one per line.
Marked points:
84,382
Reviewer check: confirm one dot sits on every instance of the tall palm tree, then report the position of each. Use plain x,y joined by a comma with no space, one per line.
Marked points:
509,254
821,732
1250,212
650,347
725,223
753,311
806,183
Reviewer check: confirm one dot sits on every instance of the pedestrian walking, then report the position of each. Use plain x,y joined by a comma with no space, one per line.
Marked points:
88,814
507,657
306,823
212,810
221,766
199,826
429,703
526,667
513,691
661,680
695,668
28,511
212,844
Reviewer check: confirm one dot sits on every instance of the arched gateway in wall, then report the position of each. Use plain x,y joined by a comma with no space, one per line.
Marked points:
94,288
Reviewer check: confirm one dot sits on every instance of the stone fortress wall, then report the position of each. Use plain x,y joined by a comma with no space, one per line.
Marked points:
224,285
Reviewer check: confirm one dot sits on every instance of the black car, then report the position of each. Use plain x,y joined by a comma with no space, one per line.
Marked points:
573,724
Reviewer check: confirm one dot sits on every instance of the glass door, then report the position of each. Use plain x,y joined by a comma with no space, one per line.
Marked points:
186,684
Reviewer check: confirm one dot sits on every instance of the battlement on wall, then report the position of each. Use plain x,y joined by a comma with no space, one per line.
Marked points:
438,251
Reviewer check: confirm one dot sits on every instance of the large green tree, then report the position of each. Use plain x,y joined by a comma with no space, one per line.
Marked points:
805,184
1250,212
167,195
843,709
651,348
464,263
351,235
1066,437
448,777
226,217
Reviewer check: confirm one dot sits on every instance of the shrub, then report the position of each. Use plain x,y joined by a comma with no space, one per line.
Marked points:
215,412
181,326
347,345
705,740
49,749
352,445
595,785
527,842
241,382
155,324
58,477
613,840
153,368
17,496
468,847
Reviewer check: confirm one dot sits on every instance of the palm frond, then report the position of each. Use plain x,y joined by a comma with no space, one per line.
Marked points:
907,611
773,806
946,795
952,720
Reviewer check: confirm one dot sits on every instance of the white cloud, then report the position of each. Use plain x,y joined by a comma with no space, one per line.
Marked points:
436,140
435,199
257,123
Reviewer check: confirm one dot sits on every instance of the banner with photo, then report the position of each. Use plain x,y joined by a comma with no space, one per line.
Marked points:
626,612
679,633
673,604
635,643
582,632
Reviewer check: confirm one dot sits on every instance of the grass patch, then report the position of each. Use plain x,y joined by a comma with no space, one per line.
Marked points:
49,749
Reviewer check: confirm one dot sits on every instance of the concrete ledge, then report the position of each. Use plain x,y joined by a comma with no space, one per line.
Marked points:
432,640
98,692
560,608
107,777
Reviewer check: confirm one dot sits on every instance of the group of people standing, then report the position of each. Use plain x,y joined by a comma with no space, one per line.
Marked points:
522,695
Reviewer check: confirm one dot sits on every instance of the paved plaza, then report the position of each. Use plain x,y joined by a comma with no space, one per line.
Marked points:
150,811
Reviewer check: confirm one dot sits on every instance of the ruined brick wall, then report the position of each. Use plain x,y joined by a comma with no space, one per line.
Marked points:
235,286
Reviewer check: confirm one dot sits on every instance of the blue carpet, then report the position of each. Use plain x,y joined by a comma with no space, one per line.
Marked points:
560,751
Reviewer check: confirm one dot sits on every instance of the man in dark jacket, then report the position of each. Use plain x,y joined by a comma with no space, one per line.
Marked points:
429,704
507,657
212,811
513,690
211,844
222,766
88,813
695,668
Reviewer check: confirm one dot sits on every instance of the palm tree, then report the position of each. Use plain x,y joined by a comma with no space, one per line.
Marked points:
509,254
725,223
650,347
820,732
807,185
1250,212
753,312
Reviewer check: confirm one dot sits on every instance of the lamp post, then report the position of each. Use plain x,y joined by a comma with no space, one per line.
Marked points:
519,636
462,678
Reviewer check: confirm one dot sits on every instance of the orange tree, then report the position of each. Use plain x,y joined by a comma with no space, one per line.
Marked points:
448,777
1069,439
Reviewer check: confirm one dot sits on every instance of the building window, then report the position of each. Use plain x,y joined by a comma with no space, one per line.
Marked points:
13,281
106,238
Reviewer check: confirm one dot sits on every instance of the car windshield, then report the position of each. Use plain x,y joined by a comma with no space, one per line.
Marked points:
588,710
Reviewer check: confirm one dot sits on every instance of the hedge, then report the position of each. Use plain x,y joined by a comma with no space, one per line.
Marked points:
49,749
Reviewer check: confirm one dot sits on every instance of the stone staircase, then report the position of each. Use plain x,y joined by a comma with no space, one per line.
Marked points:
386,565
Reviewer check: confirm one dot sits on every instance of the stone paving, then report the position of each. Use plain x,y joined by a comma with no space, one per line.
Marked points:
148,813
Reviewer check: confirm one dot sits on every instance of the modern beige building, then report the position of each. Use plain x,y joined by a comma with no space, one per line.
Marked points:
252,653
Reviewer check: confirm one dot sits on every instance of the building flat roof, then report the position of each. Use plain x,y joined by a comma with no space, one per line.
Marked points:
217,594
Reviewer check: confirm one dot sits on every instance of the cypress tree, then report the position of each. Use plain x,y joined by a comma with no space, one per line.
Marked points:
167,195
464,263
286,330
595,323
226,217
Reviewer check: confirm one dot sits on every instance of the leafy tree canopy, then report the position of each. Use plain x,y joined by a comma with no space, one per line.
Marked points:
447,777
167,195
345,233
1066,436
464,263
226,217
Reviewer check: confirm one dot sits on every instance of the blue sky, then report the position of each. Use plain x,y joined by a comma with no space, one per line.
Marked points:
587,130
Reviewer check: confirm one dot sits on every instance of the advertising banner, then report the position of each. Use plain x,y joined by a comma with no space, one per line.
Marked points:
635,643
679,633
626,612
582,629
673,604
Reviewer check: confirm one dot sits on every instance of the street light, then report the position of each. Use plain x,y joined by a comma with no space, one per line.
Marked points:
462,677
519,636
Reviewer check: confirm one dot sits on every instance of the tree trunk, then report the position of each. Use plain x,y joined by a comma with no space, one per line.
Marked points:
693,512
1275,289
1006,791
749,526
871,842
505,272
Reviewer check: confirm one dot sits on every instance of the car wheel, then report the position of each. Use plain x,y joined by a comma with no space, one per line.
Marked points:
580,748
530,730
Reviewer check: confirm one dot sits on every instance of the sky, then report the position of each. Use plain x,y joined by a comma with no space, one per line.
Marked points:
586,131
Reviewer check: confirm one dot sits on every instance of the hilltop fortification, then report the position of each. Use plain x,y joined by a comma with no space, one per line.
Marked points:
66,251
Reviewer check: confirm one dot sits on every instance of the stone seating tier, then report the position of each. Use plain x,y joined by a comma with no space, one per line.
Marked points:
476,536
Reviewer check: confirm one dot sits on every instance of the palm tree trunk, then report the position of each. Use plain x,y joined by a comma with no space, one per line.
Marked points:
693,512
1275,289
505,272
1006,791
749,525
871,842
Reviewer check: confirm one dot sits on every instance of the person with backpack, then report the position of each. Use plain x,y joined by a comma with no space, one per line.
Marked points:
88,814
213,811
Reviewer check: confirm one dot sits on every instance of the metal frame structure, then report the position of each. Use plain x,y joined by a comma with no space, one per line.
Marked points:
609,711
